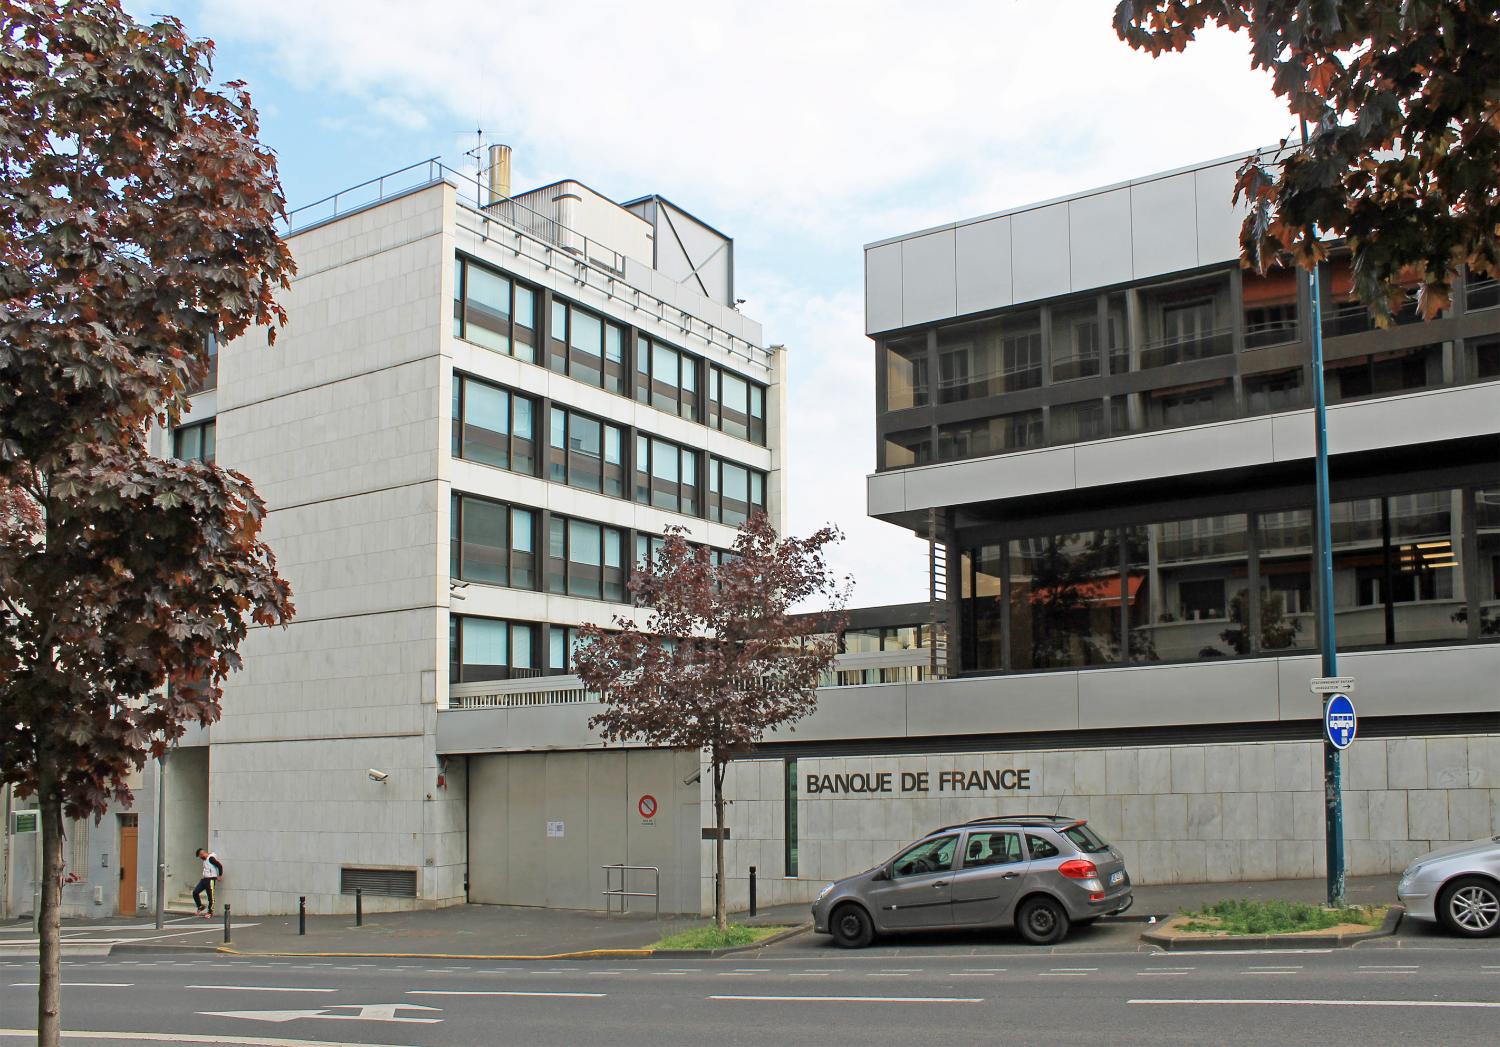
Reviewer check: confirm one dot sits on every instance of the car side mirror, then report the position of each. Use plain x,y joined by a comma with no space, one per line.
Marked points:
883,873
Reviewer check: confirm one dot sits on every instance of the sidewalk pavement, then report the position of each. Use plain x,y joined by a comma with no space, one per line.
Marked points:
501,930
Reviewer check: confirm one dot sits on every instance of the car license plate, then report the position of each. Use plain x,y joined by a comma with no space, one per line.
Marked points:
1116,877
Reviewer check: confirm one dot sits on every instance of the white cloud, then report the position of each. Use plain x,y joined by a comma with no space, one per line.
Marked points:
804,129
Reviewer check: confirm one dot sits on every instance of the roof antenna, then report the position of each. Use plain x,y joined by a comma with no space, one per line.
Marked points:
478,154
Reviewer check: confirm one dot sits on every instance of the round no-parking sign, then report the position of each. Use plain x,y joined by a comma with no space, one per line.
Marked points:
647,806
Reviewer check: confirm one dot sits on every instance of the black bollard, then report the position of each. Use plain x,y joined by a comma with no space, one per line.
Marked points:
226,924
302,914
359,907
752,890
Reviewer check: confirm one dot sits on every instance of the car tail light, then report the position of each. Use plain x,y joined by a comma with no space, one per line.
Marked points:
1079,869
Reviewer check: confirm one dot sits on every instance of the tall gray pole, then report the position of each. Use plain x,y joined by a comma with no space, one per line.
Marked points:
5,866
161,840
1333,822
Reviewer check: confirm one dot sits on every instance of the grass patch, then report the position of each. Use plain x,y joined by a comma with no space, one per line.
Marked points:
1276,917
711,937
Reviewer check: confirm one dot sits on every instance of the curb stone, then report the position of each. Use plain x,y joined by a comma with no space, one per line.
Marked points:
1277,941
714,954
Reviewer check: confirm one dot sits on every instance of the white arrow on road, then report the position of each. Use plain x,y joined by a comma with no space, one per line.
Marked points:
369,1012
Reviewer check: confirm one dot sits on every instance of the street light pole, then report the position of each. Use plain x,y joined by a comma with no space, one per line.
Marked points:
161,843
1327,640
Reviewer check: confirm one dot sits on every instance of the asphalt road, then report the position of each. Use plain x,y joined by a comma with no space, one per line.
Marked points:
1417,993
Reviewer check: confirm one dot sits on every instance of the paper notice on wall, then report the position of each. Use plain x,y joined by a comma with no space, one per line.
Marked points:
555,829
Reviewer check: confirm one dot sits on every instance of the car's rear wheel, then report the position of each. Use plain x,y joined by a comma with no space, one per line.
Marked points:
1470,906
1042,921
851,927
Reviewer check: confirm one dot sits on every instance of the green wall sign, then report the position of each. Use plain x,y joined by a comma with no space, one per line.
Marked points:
25,821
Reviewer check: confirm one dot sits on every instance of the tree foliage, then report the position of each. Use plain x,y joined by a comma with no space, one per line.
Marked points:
137,219
1403,104
721,659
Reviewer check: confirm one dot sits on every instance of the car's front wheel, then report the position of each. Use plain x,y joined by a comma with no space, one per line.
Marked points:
851,927
1470,906
1042,921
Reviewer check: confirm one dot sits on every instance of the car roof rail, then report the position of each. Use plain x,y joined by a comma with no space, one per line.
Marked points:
1014,819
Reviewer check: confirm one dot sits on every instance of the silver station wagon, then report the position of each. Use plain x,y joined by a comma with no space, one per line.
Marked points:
1041,873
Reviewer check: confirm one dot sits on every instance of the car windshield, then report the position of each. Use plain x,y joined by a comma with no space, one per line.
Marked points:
1085,839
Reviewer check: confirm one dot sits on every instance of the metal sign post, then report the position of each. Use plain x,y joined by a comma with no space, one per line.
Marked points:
1327,640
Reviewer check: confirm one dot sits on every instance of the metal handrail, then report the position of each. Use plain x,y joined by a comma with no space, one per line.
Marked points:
432,165
611,893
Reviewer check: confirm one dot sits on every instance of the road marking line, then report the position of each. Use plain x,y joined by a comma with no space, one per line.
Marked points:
985,970
808,974
1064,969
857,999
260,988
747,970
887,974
166,1037
1270,972
902,970
1063,974
1388,967
1160,974
496,992
1329,1003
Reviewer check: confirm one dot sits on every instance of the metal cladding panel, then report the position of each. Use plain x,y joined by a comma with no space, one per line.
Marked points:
1099,239
1219,217
1200,449
885,493
1164,225
1043,702
1039,241
1160,695
1393,683
883,288
1023,473
927,279
983,271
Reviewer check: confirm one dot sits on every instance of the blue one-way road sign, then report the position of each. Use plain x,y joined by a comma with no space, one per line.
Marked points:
1339,721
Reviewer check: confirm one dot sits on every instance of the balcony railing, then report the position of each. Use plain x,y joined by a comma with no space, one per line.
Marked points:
1180,349
911,665
1482,294
519,694
1271,332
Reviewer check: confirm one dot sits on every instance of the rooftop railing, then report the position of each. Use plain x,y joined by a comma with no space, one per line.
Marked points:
1180,348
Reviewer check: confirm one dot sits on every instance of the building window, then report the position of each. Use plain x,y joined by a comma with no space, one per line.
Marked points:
195,443
1275,391
1075,342
562,645
1189,404
1187,589
1384,374
1065,596
1487,547
492,543
493,426
1270,304
493,310
789,813
990,358
1072,423
667,378
586,453
490,649
210,379
910,448
585,559
586,347
666,475
1484,359
907,383
734,492
1008,432
1186,323
1481,292
736,405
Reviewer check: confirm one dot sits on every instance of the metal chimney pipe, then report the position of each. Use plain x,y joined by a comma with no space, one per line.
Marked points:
499,173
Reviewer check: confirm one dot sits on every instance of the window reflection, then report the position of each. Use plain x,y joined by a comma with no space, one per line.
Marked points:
1065,595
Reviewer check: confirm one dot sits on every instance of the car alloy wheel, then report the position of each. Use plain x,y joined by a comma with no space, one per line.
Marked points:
1473,908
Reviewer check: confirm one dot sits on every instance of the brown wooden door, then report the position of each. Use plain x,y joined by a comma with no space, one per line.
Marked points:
128,869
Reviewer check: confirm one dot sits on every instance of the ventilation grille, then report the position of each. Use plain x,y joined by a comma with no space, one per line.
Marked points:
389,883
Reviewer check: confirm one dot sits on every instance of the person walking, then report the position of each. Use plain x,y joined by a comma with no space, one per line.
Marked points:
212,870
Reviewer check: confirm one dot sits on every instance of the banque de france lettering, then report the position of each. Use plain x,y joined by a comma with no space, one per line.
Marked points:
1011,779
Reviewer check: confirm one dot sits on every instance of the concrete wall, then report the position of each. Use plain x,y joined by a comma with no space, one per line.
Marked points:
590,801
1180,814
186,822
1148,227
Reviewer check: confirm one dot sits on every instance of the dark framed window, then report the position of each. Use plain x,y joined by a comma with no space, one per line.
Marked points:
666,475
494,310
585,346
1270,304
1276,391
492,543
585,559
1007,432
586,453
1076,348
1484,359
210,379
736,405
491,649
908,448
195,443
562,645
667,378
789,813
493,426
734,492
907,382
989,358
1384,374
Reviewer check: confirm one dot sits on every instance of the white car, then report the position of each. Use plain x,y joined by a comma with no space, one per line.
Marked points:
1457,886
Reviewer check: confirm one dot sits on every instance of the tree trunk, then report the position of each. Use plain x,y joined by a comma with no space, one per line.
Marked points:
721,914
49,962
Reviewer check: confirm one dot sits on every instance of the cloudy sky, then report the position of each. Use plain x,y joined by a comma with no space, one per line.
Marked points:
803,129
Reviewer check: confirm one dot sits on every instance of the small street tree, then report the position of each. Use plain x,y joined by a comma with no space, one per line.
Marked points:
137,220
1403,100
721,659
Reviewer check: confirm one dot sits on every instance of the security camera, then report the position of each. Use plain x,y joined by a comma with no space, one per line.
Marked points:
378,776
694,778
